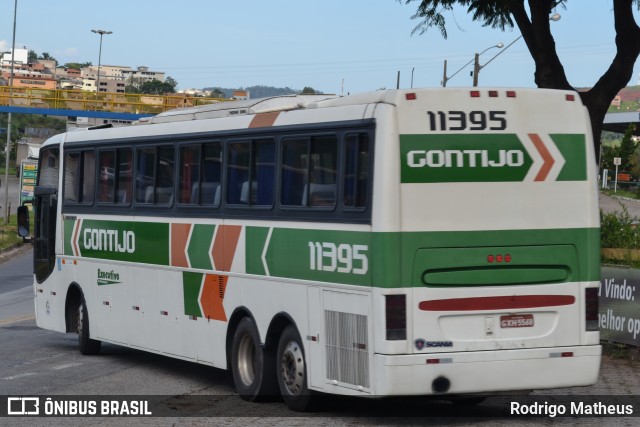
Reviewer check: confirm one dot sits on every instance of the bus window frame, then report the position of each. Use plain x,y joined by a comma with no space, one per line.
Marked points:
276,212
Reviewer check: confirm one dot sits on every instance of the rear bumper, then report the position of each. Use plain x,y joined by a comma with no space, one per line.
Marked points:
487,371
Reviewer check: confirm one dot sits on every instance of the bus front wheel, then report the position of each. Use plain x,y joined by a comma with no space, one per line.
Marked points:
292,373
86,344
251,365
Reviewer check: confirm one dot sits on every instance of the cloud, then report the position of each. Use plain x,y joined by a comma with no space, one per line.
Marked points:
4,45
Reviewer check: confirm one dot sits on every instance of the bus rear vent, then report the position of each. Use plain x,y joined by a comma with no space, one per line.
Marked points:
347,348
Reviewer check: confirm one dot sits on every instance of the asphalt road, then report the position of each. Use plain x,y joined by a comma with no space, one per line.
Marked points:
613,203
36,362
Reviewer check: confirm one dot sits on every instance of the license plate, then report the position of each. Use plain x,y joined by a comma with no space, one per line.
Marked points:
516,321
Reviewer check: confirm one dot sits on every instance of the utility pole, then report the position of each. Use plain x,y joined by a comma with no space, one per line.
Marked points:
8,146
476,69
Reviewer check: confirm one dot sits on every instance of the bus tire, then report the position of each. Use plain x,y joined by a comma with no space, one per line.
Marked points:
292,372
86,345
252,366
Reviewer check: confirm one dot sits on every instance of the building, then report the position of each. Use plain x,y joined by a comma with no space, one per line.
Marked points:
106,85
241,94
21,56
120,74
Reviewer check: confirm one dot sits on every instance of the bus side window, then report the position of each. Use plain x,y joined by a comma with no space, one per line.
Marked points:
200,170
145,174
49,168
165,176
294,173
72,177
88,176
263,172
356,174
106,183
189,170
124,172
251,172
211,174
323,169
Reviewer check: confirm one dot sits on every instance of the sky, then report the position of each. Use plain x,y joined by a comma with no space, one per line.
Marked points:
334,46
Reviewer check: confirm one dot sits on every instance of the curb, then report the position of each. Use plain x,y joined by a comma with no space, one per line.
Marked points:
13,250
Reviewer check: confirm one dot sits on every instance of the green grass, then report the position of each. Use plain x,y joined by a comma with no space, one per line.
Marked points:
9,232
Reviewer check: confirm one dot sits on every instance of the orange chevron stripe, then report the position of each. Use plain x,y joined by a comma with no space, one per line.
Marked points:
213,290
546,156
74,240
264,119
179,238
224,247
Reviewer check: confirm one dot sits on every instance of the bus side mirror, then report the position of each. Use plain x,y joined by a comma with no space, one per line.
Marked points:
23,222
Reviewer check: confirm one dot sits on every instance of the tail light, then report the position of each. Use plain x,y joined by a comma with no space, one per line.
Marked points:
396,317
591,308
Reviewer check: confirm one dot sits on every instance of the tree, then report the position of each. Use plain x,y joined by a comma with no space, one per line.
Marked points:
156,87
46,56
32,56
77,65
216,93
309,91
533,22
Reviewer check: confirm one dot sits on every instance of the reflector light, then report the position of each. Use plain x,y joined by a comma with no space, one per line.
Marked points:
499,258
433,361
396,317
511,94
493,94
591,309
410,96
567,354
570,97
475,93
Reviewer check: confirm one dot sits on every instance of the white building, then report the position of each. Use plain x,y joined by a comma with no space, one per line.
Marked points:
21,56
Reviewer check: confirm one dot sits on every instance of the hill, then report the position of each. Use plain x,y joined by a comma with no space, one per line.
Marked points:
258,91
629,100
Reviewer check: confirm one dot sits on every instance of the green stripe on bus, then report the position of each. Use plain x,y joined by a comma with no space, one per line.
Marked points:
385,260
393,258
463,158
199,249
191,283
574,151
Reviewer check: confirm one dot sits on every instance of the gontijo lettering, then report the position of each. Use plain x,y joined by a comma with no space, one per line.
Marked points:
109,240
464,158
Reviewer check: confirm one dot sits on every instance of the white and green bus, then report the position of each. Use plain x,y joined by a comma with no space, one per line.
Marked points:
400,242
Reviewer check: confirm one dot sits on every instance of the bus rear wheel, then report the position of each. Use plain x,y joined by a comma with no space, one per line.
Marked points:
86,345
252,366
292,373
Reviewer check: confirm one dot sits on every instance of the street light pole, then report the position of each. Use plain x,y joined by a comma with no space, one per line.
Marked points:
8,146
445,79
476,62
102,33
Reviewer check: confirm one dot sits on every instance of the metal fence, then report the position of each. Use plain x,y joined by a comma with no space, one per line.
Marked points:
133,103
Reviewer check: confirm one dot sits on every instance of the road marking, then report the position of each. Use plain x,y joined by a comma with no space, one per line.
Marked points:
15,377
68,365
16,320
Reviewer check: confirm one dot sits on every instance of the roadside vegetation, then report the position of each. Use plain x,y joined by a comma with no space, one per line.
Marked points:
9,232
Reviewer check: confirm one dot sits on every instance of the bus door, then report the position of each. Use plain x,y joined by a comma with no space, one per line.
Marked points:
46,204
